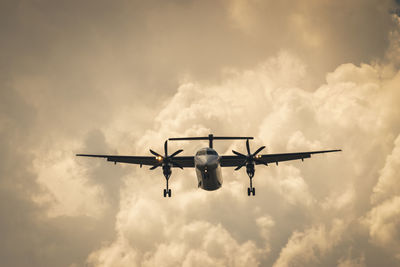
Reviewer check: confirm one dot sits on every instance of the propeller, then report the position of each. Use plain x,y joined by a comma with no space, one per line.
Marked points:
249,158
166,159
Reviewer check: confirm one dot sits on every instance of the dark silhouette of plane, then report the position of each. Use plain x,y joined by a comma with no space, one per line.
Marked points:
207,162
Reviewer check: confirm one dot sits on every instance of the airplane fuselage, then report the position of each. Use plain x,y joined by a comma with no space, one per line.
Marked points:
208,169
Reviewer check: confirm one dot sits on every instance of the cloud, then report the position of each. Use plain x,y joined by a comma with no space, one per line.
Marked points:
388,184
341,110
58,175
193,244
383,225
349,262
308,247
120,78
382,220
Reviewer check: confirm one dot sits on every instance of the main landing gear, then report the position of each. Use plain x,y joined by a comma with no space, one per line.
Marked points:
250,172
251,190
167,192
167,173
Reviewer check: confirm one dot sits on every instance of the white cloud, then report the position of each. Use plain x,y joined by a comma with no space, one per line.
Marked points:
384,224
118,254
383,219
290,186
193,244
350,262
85,74
388,184
266,102
306,248
340,200
66,188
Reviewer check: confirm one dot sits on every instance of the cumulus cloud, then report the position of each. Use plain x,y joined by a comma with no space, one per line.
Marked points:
383,223
120,78
346,104
308,247
349,262
388,185
58,175
383,219
192,244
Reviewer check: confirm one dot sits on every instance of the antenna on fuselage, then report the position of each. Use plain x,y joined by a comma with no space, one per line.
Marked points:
211,138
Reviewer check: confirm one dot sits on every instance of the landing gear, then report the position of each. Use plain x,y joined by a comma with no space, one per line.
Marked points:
250,172
251,191
249,160
166,162
167,192
167,173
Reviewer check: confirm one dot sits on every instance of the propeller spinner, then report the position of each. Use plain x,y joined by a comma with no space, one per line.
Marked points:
166,160
249,158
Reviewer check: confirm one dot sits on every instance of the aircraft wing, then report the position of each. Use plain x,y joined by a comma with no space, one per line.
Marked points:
234,161
185,161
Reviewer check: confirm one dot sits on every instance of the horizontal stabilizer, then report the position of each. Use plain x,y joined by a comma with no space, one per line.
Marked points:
207,138
211,137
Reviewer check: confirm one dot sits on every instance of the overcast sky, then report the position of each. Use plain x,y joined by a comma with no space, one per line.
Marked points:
120,77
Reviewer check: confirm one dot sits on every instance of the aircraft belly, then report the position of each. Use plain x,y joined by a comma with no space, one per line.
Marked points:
210,180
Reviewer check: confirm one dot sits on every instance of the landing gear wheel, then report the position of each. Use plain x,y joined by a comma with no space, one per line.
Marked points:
169,192
248,191
165,192
254,191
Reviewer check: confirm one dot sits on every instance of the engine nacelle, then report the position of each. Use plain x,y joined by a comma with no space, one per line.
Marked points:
166,171
250,169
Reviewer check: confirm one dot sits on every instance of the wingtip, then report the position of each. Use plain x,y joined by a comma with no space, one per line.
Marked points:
334,150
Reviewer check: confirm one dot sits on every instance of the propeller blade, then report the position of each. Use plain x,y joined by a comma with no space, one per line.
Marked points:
176,164
240,166
176,153
239,154
248,147
166,148
155,166
258,151
155,153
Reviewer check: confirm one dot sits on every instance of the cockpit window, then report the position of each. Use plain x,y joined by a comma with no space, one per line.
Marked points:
206,152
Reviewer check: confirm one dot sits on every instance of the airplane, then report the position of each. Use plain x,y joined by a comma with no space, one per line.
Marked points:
207,162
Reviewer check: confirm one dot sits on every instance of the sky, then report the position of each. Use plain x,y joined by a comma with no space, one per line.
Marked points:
120,77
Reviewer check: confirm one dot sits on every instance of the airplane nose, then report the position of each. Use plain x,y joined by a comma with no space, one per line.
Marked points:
201,161
212,164
208,163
